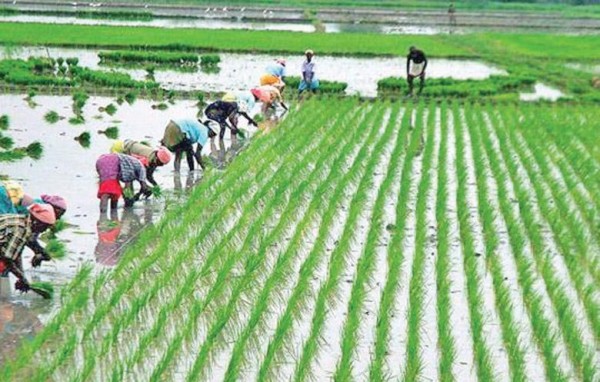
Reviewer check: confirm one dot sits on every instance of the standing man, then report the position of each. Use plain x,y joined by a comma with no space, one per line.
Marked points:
309,80
452,14
180,137
416,63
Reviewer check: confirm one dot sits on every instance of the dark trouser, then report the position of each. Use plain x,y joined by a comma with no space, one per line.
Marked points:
410,79
214,115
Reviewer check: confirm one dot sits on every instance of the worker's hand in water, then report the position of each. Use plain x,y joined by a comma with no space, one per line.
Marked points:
129,202
37,259
147,192
22,285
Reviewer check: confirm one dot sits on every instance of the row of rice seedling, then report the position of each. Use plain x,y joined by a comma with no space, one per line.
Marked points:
558,288
327,295
237,255
355,334
247,291
133,273
151,293
503,268
283,343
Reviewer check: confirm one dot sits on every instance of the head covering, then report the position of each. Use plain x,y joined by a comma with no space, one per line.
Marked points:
43,213
256,92
14,190
117,147
56,201
163,155
309,51
281,61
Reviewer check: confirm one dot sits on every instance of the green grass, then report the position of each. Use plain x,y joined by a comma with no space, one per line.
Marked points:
251,285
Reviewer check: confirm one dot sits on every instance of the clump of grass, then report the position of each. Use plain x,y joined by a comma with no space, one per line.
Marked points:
210,60
51,116
84,139
111,132
56,249
4,122
130,97
6,143
77,120
160,106
110,109
33,150
43,288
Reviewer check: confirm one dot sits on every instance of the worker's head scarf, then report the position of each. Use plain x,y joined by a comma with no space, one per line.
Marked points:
43,213
309,51
15,191
117,147
163,155
55,201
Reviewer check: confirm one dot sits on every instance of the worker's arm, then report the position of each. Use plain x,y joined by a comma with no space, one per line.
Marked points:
248,118
150,175
128,194
40,253
198,156
425,65
407,65
16,269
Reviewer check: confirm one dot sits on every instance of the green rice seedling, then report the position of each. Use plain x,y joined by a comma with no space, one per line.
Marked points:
44,289
6,143
160,106
51,117
164,361
442,264
337,263
84,139
77,120
198,309
210,59
111,132
480,348
414,362
149,260
33,150
110,109
367,260
56,249
156,191
130,97
249,276
395,256
4,122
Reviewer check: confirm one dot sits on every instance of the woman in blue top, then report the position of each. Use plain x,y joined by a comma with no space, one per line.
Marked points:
180,137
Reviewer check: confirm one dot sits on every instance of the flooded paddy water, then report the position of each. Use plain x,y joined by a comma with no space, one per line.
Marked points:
68,169
242,71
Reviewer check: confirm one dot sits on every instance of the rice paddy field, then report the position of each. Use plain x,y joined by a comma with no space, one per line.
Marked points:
359,240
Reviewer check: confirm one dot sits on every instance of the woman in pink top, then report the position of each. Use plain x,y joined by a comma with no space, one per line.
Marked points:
268,95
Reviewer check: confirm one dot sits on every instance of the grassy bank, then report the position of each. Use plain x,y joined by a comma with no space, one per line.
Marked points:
470,46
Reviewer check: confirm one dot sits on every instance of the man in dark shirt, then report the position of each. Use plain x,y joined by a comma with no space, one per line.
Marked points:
222,112
416,63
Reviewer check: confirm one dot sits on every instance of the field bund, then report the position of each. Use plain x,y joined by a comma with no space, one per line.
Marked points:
362,241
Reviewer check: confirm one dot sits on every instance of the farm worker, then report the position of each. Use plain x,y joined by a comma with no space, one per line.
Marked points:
181,135
309,80
245,100
268,95
15,232
151,158
452,14
11,194
59,205
416,63
274,74
222,111
115,168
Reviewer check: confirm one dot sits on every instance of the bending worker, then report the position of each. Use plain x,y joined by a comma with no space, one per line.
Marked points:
15,231
268,95
222,112
416,63
274,74
151,158
115,168
180,137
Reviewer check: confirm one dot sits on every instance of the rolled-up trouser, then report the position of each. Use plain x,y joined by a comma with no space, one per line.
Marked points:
313,85
173,136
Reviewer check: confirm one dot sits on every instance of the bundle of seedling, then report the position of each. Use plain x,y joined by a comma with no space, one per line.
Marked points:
325,86
144,58
8,151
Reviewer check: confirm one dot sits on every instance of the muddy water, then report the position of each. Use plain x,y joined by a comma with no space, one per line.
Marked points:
68,169
242,71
